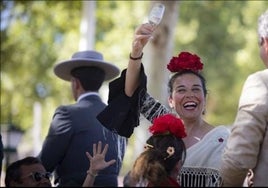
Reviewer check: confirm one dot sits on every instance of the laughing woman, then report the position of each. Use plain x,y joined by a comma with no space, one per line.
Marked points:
187,98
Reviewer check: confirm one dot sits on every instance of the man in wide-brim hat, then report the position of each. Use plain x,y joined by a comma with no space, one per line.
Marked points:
74,128
85,59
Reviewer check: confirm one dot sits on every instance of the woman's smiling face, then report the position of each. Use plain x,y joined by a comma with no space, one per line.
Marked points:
188,97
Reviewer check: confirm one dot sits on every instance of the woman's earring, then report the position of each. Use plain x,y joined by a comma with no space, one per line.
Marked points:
204,112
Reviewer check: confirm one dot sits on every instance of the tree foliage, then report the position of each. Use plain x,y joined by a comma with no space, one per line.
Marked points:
31,38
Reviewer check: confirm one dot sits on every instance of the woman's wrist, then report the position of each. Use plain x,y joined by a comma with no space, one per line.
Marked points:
135,57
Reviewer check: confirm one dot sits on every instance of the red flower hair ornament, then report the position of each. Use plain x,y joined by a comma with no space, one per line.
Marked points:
168,123
185,61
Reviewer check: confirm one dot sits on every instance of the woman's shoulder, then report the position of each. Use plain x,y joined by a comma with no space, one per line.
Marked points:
209,129
218,132
222,129
215,138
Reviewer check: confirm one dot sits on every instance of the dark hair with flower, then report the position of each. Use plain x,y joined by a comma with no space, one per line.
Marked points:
185,61
164,149
168,123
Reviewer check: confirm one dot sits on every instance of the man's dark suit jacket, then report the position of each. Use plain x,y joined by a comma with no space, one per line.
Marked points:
72,132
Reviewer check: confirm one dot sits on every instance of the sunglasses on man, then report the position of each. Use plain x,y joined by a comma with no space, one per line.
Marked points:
37,176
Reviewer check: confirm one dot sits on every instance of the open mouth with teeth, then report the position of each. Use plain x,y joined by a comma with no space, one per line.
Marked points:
190,105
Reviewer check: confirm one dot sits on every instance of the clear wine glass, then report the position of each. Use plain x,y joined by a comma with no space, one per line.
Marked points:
156,14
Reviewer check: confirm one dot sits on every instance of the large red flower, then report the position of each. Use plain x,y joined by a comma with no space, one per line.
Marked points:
185,60
168,123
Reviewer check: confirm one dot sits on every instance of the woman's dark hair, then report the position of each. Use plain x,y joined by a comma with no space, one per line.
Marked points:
13,172
91,78
180,73
155,164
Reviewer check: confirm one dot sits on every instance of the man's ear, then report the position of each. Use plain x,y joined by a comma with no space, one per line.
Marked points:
75,83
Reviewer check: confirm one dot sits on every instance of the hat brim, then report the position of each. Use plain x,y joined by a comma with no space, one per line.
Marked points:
63,69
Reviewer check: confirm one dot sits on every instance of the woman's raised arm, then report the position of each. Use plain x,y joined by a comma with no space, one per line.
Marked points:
142,35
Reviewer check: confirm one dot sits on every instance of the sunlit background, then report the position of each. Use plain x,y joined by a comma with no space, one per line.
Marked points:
35,35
